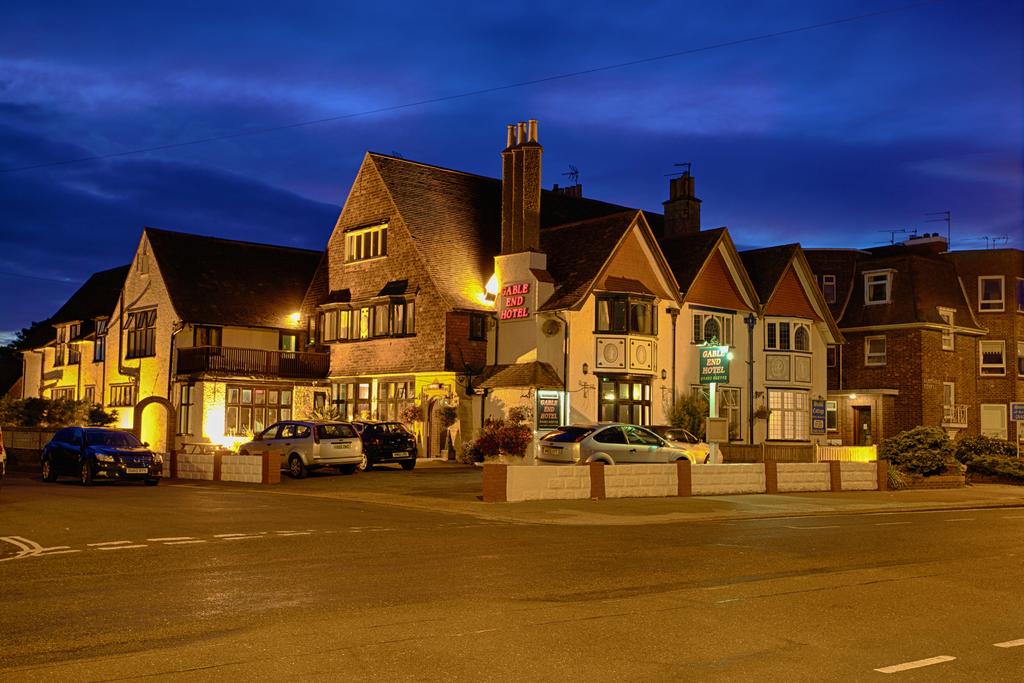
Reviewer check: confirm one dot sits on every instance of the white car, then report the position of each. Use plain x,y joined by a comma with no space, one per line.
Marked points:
610,443
307,445
680,438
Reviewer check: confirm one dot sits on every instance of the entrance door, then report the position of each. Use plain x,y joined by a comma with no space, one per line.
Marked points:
862,425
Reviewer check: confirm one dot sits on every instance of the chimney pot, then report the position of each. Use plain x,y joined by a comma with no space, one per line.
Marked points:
511,135
522,132
533,130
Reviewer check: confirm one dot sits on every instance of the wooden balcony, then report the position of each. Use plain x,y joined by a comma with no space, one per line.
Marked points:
225,360
954,415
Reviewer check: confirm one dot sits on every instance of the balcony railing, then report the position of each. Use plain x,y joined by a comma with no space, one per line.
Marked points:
225,360
954,415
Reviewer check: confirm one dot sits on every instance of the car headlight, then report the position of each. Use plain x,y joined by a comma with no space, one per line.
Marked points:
102,457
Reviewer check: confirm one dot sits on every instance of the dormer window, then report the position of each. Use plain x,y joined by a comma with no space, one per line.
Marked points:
363,244
990,294
623,314
828,288
878,287
948,336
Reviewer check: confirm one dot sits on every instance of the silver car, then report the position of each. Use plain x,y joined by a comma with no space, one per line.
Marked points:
610,443
308,445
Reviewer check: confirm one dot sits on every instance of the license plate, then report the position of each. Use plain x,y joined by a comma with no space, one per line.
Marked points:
136,470
551,451
400,454
341,444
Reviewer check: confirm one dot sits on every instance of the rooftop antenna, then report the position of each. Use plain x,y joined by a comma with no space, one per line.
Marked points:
893,232
943,217
1002,239
686,166
573,174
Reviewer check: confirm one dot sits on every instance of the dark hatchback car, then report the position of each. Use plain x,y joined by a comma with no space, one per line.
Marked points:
386,442
99,453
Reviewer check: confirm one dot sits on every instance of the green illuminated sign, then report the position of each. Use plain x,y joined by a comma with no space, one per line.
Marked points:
714,364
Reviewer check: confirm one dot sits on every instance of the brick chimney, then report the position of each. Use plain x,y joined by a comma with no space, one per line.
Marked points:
682,210
520,189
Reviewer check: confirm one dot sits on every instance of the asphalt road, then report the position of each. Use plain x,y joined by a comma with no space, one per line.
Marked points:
204,582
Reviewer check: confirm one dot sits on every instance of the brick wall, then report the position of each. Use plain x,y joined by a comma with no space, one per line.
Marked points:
459,348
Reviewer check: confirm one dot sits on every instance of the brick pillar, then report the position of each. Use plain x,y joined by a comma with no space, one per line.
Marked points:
883,474
495,483
835,476
684,475
217,463
771,476
597,481
271,469
172,465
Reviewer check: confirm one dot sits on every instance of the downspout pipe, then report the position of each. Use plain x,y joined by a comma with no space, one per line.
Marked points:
565,368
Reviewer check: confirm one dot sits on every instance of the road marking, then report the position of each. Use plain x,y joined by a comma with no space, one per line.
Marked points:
891,523
228,535
57,552
95,545
183,542
896,668
122,547
836,526
170,538
719,602
961,519
293,533
1011,643
1014,517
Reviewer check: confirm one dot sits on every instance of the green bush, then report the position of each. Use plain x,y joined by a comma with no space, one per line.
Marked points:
971,447
42,412
100,417
689,412
993,466
924,450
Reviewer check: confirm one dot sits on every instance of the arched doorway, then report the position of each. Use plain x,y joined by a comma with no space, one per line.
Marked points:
155,426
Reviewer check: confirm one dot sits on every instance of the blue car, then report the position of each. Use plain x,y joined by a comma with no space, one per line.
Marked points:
97,453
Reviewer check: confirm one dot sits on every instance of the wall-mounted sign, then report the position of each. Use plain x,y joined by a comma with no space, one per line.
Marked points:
817,416
714,364
549,409
513,301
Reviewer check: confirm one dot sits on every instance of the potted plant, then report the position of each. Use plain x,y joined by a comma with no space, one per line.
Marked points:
505,439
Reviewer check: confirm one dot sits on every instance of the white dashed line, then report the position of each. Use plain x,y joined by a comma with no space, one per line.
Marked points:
1011,643
183,542
239,538
892,523
58,552
961,519
122,547
896,668
293,533
169,538
836,526
228,535
96,545
1014,517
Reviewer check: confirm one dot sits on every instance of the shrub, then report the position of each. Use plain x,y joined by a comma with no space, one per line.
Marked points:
100,417
448,415
924,450
997,467
689,412
35,412
325,413
500,436
971,447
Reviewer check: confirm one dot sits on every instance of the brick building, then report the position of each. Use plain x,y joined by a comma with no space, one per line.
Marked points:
929,337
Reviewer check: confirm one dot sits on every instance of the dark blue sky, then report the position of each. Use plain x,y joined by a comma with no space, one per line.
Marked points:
827,137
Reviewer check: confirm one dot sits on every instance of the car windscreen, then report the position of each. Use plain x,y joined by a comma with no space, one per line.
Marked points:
387,428
112,439
335,431
567,434
680,435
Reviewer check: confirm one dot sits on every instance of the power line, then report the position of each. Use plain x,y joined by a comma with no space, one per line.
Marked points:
483,91
5,273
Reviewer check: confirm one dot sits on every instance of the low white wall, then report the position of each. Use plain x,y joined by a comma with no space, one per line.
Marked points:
800,476
720,480
548,482
195,466
641,481
859,476
242,468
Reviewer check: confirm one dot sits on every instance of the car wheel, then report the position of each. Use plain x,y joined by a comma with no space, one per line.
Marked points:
408,464
348,469
49,473
364,465
86,474
296,469
152,482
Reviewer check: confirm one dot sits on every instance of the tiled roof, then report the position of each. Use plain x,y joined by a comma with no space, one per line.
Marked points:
94,299
227,282
686,254
576,253
535,374
842,263
767,266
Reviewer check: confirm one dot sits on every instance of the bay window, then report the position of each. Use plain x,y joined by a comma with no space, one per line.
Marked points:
789,416
622,314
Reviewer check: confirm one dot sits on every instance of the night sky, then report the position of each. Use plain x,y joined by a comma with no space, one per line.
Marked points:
830,137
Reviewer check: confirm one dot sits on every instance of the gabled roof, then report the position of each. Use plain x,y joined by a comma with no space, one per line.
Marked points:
535,374
227,282
686,254
96,298
767,266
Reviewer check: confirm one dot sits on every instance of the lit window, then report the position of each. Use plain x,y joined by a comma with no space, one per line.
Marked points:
251,409
990,293
948,337
993,360
366,243
122,395
787,336
802,338
877,287
874,350
788,417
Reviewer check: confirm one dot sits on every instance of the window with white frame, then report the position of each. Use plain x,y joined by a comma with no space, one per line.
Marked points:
828,288
948,393
729,408
122,395
948,336
386,319
878,287
1020,359
366,243
63,394
991,294
993,357
874,350
712,326
789,416
831,416
785,335
993,420
1020,295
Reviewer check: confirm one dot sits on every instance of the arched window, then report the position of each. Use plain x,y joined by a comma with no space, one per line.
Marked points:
712,331
802,339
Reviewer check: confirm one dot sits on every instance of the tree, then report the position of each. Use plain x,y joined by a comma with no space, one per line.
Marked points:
689,412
